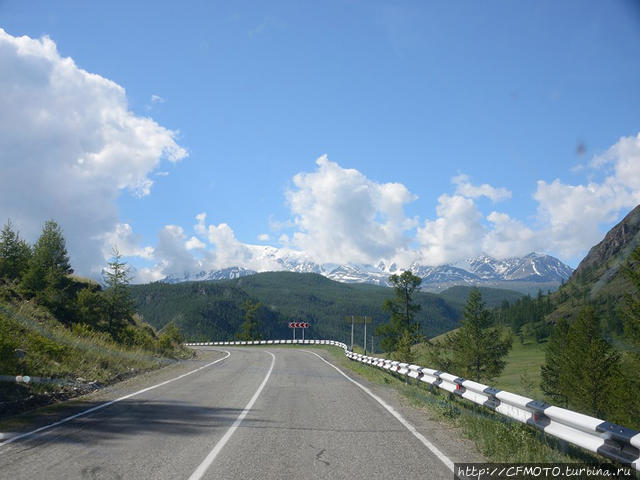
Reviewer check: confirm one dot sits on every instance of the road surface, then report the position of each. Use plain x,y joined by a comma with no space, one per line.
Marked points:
256,413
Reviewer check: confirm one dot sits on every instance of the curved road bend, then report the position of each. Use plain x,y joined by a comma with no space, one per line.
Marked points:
262,413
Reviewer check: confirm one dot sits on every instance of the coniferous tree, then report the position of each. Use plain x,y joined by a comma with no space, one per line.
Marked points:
631,327
403,352
47,275
120,305
250,328
92,307
49,261
477,350
631,307
593,366
555,369
14,253
403,312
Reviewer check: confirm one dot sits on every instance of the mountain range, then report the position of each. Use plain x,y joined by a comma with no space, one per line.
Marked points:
529,273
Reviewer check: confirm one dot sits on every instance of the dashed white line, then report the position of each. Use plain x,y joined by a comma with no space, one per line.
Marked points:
206,463
435,450
106,404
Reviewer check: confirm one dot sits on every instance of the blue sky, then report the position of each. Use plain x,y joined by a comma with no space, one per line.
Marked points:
245,97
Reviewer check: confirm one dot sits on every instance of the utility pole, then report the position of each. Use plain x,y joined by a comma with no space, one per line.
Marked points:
352,333
366,319
365,337
359,319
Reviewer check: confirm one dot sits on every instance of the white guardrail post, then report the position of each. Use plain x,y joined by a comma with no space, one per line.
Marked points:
598,436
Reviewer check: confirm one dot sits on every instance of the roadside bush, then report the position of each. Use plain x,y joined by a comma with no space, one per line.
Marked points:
8,345
136,337
170,338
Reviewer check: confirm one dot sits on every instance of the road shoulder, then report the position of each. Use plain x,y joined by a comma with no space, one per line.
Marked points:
49,414
446,437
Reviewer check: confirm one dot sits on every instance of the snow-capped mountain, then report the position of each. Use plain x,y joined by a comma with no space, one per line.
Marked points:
224,274
480,270
533,267
350,273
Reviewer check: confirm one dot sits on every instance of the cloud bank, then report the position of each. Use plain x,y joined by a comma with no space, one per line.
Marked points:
69,146
338,215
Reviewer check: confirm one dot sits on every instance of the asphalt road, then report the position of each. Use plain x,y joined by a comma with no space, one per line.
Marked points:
260,413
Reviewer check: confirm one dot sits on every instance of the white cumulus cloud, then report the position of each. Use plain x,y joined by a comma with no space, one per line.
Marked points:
125,241
465,188
194,243
457,233
69,145
342,216
509,237
572,215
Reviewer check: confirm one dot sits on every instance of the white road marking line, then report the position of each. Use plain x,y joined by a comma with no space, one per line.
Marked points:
435,450
106,404
206,463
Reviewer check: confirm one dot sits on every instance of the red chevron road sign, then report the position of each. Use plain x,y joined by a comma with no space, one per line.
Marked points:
298,325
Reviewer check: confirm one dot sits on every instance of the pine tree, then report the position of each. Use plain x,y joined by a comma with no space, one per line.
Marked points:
47,275
631,307
14,253
477,349
49,262
403,352
593,366
92,307
403,311
120,305
631,313
250,328
555,369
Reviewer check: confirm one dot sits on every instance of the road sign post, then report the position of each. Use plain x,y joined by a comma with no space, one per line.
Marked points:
302,325
366,319
352,333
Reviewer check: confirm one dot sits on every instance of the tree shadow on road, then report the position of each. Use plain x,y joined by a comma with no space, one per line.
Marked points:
133,417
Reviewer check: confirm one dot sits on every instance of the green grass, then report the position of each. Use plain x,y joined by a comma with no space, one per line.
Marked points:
73,357
522,373
497,438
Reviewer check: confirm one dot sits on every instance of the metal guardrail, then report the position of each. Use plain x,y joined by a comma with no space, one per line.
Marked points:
612,441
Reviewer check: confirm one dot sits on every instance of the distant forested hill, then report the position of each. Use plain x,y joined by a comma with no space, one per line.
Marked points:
493,297
325,303
213,310
201,310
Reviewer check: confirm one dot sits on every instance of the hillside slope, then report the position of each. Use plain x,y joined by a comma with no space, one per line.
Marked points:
492,297
598,280
61,362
